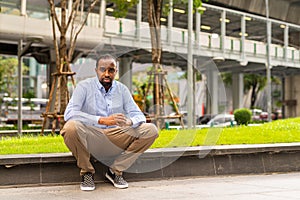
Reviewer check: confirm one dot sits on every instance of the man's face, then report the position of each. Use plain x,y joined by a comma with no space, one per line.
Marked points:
106,71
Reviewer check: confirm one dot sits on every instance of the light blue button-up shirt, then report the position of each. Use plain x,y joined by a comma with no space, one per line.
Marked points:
90,101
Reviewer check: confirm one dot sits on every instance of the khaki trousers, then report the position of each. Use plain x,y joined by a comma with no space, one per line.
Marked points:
124,144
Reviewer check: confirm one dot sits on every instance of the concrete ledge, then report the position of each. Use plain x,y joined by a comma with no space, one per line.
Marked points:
42,169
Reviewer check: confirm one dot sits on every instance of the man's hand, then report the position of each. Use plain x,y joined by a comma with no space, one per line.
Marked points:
127,123
118,119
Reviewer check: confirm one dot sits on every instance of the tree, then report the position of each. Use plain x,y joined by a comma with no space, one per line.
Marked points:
255,83
8,75
252,82
69,27
122,7
64,49
155,8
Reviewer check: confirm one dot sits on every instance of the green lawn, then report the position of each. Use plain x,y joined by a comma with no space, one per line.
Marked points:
280,131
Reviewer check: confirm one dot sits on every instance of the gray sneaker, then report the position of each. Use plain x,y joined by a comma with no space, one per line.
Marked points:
87,182
117,181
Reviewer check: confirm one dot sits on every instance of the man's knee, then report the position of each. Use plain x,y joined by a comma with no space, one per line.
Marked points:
152,130
69,129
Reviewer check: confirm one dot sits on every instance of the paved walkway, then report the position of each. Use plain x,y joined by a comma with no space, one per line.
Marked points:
250,187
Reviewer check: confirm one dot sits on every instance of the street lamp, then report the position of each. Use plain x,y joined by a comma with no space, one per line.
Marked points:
21,52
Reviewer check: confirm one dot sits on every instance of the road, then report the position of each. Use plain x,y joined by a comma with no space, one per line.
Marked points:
248,187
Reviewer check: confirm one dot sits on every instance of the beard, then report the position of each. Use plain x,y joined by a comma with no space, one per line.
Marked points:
106,84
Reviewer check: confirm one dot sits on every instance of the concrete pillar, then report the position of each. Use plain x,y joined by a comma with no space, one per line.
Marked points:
292,96
23,8
32,74
243,31
102,13
125,71
283,97
190,68
213,93
198,30
138,20
286,41
51,69
237,90
170,22
223,30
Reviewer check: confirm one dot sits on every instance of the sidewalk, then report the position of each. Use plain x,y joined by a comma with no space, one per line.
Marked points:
250,187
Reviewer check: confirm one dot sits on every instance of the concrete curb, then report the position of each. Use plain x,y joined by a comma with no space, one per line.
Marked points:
60,168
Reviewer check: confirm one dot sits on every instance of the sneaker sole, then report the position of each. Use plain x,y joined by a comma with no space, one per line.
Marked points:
87,188
112,181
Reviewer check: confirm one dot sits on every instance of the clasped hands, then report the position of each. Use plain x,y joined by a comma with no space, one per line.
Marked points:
118,119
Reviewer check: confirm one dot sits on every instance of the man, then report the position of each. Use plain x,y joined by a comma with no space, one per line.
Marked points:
102,119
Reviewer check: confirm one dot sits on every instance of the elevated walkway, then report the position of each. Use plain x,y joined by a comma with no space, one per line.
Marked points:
123,34
45,169
236,38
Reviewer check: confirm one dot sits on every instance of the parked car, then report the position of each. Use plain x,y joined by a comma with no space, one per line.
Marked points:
222,120
264,116
176,120
256,114
204,119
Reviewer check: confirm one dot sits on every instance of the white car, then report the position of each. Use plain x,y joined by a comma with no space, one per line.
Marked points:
256,114
222,120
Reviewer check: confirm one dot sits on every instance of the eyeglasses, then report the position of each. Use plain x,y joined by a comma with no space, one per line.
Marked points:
109,69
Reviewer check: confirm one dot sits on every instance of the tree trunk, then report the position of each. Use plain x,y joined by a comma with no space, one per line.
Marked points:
154,14
62,66
253,95
59,93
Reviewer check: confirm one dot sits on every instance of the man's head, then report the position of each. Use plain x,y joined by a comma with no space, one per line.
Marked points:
106,70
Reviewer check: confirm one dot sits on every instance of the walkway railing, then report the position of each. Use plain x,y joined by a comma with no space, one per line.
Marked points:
211,42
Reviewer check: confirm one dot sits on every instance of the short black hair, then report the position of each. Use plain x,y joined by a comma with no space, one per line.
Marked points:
104,57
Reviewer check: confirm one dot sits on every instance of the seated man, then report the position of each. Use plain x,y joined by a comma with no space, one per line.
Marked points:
102,118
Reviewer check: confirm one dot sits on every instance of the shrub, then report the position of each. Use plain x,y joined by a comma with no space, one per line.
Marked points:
242,116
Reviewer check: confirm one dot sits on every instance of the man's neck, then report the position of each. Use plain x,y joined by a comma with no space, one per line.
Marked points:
106,86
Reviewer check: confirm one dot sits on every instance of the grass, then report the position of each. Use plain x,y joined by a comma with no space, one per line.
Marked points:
280,131
32,144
